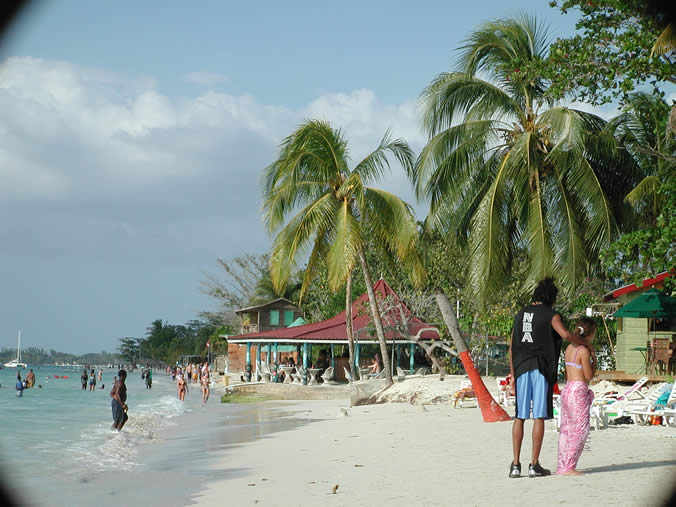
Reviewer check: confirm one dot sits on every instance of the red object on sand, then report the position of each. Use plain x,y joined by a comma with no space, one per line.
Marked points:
490,409
556,389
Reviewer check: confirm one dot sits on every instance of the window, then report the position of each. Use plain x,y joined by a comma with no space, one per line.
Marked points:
288,317
274,317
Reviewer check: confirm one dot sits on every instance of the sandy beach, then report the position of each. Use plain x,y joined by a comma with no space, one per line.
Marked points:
402,454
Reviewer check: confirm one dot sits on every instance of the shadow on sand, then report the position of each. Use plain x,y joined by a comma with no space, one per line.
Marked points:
628,466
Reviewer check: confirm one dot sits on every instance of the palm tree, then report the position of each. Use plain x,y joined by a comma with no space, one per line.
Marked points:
335,210
643,128
505,169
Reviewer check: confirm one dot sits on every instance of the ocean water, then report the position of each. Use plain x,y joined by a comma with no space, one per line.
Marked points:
57,448
61,423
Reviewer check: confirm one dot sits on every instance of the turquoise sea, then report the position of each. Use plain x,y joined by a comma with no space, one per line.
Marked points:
57,448
61,423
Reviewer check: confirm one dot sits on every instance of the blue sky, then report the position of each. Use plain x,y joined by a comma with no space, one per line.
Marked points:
133,134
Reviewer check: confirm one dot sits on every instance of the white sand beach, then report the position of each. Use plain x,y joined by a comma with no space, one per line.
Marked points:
402,454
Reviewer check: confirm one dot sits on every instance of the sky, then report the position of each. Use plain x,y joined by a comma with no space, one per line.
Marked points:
133,136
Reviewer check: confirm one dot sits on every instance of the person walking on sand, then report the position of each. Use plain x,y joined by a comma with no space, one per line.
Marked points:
205,386
576,398
118,402
182,387
533,359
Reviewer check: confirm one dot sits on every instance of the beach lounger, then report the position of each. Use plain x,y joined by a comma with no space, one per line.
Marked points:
504,397
265,372
606,408
401,374
328,374
465,393
641,413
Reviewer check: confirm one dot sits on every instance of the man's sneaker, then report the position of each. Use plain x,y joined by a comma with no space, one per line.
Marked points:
537,470
514,471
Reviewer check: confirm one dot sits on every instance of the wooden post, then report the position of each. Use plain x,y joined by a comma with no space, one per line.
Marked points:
269,358
258,359
412,358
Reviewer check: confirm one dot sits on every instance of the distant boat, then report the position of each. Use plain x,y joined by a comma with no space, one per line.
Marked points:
16,363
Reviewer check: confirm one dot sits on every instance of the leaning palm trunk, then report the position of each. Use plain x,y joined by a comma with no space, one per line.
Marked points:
348,323
490,409
375,313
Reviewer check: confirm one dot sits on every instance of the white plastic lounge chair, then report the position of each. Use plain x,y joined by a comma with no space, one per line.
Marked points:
604,410
641,413
328,374
422,371
348,377
401,374
299,376
265,372
465,393
504,398
632,392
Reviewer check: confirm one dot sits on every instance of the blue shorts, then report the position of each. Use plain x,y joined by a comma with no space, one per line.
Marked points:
532,389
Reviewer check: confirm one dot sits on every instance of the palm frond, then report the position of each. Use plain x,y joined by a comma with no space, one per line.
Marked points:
374,165
344,246
665,43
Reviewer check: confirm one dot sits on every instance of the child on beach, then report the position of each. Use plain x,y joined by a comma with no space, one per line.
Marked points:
576,398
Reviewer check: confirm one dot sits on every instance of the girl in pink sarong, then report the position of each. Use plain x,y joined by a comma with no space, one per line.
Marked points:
576,398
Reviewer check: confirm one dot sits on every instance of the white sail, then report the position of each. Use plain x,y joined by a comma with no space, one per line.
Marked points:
16,363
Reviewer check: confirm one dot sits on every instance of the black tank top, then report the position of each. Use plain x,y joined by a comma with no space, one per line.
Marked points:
535,344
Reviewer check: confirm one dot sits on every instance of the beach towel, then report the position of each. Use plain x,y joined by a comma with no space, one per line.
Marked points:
576,399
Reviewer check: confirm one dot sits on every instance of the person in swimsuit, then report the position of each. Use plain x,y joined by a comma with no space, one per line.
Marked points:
83,380
576,398
92,381
205,385
30,378
182,387
118,402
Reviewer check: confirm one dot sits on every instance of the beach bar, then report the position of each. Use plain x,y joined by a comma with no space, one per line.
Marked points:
635,336
275,346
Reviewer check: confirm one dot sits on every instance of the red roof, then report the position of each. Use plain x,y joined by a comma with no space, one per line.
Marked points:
645,284
335,328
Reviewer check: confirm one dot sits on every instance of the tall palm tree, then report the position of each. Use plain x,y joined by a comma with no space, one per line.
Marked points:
505,168
643,128
335,210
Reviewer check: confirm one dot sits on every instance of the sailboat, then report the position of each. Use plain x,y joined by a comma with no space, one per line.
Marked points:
16,363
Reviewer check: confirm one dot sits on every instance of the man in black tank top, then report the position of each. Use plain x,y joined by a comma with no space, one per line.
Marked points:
534,357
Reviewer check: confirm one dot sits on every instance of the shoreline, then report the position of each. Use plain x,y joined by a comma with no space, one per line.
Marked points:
399,454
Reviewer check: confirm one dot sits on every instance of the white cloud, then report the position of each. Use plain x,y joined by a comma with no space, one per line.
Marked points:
205,78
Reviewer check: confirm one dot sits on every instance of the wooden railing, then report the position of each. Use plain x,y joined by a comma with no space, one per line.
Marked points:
251,328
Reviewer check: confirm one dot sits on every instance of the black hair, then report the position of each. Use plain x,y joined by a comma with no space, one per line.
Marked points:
545,292
122,373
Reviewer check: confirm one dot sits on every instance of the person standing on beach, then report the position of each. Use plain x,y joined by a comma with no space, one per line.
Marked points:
533,359
149,378
83,379
100,374
118,402
576,398
205,385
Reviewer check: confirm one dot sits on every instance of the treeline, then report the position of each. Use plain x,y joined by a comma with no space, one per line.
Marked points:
38,355
165,343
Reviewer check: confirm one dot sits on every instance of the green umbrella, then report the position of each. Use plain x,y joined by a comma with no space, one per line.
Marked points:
652,304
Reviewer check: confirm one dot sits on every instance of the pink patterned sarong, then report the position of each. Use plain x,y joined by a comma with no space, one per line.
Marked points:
576,399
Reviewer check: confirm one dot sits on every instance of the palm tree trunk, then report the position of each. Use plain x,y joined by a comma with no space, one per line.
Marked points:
348,323
490,409
375,313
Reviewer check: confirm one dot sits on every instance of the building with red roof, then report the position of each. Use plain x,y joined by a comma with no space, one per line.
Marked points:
400,325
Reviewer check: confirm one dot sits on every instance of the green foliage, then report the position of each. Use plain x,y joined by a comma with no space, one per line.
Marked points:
643,253
37,355
516,175
610,57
